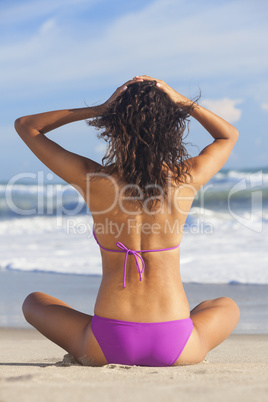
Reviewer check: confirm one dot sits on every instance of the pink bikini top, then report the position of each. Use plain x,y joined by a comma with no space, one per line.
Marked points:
124,249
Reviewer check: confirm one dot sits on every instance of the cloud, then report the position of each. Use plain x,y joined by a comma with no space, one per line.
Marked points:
264,106
169,39
29,10
165,33
225,108
100,149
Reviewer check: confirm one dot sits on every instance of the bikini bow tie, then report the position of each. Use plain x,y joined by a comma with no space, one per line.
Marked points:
136,255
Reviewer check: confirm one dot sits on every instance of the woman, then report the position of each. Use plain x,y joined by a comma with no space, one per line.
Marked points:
139,201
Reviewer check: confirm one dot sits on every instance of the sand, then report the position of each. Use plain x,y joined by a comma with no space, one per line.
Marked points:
32,369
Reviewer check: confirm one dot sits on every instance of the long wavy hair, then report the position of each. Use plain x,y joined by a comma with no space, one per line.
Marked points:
144,130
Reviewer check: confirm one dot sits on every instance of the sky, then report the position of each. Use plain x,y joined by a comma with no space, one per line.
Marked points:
61,54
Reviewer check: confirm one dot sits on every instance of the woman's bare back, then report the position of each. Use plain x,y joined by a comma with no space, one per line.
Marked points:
160,296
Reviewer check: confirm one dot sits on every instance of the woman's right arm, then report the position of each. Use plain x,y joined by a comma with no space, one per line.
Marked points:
213,157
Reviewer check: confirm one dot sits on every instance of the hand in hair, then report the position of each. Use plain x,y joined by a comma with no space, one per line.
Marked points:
177,98
118,92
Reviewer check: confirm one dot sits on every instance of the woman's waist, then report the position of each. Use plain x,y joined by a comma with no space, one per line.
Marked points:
141,303
142,314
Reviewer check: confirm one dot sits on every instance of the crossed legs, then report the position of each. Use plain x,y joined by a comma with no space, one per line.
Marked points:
214,320
68,328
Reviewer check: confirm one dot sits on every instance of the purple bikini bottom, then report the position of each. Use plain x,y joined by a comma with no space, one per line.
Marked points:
142,344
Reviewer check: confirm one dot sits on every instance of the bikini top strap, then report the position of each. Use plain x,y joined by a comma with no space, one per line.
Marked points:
127,251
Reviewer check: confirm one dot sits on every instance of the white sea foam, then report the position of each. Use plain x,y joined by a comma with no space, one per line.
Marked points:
228,253
225,238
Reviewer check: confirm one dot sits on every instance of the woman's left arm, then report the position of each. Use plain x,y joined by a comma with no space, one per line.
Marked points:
70,167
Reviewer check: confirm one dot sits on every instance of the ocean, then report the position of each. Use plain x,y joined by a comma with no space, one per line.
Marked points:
45,228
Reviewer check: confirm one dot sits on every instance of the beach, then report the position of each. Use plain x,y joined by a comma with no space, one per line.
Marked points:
33,368
223,253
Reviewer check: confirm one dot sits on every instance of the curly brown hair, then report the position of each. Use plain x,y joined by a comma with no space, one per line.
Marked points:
144,130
